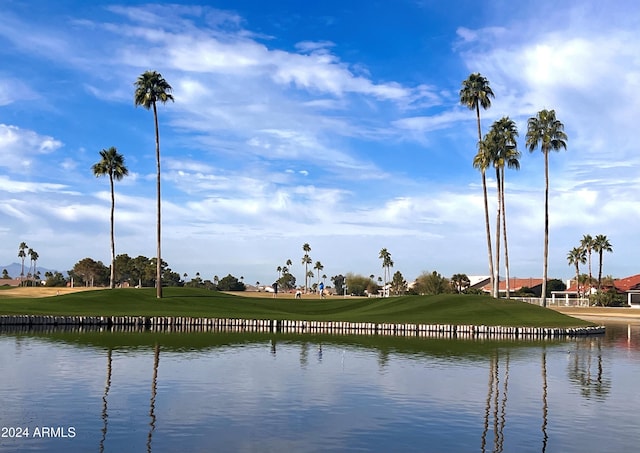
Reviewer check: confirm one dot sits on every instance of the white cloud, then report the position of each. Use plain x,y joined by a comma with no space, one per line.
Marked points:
12,90
13,186
20,148
314,46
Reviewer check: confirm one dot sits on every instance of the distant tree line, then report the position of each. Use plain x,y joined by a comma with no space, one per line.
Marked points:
138,272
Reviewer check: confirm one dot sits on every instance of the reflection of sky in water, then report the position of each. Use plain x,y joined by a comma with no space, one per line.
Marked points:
300,395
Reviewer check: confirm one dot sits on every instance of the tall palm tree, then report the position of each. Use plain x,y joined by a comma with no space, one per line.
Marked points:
318,266
22,255
111,163
29,254
503,152
387,263
586,243
489,153
151,88
577,256
546,131
306,260
601,244
481,161
476,93
33,255
512,160
384,253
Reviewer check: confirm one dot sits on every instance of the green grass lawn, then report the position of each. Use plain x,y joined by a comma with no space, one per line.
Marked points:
191,302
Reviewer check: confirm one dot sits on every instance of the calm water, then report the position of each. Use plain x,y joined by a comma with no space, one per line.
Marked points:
205,392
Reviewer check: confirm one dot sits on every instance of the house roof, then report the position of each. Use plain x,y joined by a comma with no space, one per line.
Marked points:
477,281
621,284
628,283
515,284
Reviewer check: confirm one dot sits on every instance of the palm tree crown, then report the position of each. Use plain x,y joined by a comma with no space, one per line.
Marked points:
546,131
151,87
111,163
476,93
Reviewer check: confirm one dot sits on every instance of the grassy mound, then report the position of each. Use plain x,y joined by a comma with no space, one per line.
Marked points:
191,302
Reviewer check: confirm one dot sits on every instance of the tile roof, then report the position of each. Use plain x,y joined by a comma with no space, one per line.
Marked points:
628,283
515,284
621,284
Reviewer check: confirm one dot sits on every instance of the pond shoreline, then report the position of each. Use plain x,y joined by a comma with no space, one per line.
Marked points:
272,325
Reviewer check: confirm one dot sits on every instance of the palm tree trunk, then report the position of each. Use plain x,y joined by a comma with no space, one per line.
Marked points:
488,230
590,275
159,263
504,232
30,273
578,279
486,208
113,242
546,227
600,271
496,281
478,121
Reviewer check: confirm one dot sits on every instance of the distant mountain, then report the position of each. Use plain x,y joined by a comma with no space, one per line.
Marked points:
14,269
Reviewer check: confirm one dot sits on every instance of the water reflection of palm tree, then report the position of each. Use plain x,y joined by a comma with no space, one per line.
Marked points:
105,416
496,404
487,408
154,391
545,405
503,405
496,391
304,354
580,370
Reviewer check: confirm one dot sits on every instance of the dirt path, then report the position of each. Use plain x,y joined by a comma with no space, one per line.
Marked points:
601,313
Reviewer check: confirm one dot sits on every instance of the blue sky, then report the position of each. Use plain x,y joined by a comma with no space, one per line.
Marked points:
332,123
